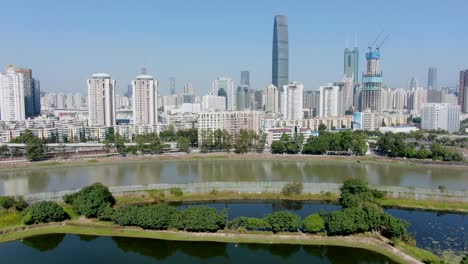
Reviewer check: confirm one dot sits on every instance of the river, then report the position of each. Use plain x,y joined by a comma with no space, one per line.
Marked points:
50,179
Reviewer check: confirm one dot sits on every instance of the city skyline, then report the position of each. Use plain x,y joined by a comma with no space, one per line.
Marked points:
315,46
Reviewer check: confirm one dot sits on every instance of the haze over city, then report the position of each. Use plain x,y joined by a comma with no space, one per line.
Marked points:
198,41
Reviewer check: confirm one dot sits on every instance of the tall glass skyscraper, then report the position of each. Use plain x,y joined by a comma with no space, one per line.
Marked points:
245,78
351,64
432,79
280,65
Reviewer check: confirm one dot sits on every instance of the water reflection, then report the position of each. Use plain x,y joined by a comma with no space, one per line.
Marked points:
44,243
33,180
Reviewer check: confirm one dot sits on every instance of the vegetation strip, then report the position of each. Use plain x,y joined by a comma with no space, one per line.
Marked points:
72,227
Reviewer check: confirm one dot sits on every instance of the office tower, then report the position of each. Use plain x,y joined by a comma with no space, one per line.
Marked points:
225,87
32,93
280,62
129,91
243,97
189,95
463,91
272,99
101,100
259,100
346,95
372,82
329,100
413,83
351,65
12,106
432,79
440,116
172,87
188,88
145,100
245,78
292,103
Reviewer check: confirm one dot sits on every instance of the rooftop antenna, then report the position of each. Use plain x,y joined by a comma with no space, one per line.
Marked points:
144,70
382,42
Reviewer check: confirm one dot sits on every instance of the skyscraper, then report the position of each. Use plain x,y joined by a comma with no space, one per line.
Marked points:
272,99
372,82
243,97
172,87
245,78
145,100
413,83
329,100
432,79
463,91
292,103
12,95
225,87
32,97
351,64
280,62
101,100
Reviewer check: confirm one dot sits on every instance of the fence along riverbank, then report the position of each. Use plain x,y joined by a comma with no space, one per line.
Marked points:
396,192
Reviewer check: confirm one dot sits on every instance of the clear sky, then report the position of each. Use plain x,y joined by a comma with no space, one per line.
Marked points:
64,42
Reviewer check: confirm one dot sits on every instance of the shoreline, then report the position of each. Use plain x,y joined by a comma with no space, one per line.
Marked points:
104,229
5,165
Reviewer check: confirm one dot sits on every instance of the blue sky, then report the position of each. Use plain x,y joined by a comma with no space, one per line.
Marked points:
64,42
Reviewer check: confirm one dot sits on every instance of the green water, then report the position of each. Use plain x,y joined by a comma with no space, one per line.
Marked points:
46,179
89,249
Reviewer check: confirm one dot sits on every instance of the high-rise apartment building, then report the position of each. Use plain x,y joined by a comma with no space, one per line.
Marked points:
225,87
259,100
245,78
172,86
101,100
312,102
436,116
416,98
213,103
463,91
432,79
272,99
413,83
12,107
32,93
372,82
280,61
329,100
145,100
351,65
292,103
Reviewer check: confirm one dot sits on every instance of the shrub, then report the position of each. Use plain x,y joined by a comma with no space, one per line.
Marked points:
20,204
249,223
105,213
157,195
284,221
91,199
69,198
126,216
199,219
355,192
7,202
156,217
346,222
294,188
43,212
313,223
176,191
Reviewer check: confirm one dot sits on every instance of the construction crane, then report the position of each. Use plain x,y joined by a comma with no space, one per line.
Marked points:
382,42
377,38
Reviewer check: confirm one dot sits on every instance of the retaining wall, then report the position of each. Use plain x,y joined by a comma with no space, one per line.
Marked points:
271,187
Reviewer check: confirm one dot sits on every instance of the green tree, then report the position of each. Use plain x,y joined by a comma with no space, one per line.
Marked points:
183,143
43,212
244,141
293,188
36,150
191,134
119,144
278,147
284,221
168,134
313,223
260,142
199,219
90,200
249,223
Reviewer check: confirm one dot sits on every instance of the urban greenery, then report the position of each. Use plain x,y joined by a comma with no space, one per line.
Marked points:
313,223
288,144
347,141
36,149
218,140
43,212
91,200
15,203
294,188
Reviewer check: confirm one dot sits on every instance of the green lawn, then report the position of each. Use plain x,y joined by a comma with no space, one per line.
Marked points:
9,219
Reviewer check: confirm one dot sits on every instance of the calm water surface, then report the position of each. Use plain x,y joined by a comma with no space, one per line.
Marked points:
89,249
434,231
34,180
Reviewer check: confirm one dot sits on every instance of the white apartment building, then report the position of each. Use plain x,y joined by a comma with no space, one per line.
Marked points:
329,100
272,99
225,87
101,104
416,98
12,106
440,116
145,100
213,103
292,103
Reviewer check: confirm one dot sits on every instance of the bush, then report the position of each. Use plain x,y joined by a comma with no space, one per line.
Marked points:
90,200
249,223
126,216
43,212
356,192
69,198
199,219
313,223
156,217
284,221
7,202
105,213
176,191
294,188
346,222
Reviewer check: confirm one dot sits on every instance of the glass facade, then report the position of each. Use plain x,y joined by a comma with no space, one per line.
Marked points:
280,63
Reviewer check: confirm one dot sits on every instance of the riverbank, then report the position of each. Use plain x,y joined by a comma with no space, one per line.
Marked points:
87,227
113,159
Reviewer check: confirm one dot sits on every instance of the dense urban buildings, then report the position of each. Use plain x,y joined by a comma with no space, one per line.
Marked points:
280,62
101,100
292,102
440,116
145,100
12,98
463,91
